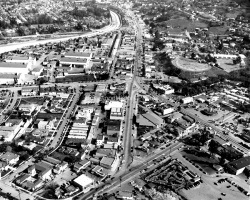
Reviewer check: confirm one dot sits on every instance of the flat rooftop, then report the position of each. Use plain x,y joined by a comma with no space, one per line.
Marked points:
73,60
12,65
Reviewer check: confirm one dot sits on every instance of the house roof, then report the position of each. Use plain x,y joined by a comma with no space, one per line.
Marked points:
23,178
107,161
100,137
8,156
43,167
3,164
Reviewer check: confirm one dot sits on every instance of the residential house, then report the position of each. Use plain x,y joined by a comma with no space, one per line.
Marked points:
10,158
100,140
42,169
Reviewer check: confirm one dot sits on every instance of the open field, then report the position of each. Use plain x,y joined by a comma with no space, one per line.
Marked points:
228,65
190,65
180,24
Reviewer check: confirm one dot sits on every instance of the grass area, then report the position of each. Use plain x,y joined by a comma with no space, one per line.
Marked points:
180,24
218,30
204,161
49,116
58,155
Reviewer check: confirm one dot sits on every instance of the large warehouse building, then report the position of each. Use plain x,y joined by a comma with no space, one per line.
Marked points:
13,68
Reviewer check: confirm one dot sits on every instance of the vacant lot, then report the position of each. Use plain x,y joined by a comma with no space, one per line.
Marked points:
32,100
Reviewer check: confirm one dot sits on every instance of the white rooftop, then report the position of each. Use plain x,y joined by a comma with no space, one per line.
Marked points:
83,180
113,104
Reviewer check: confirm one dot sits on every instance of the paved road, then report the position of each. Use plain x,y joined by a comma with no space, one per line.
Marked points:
59,133
128,131
129,116
132,173
5,184
70,84
10,105
113,26
116,46
204,123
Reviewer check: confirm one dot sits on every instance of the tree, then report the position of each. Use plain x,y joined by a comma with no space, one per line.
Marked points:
79,26
9,149
20,31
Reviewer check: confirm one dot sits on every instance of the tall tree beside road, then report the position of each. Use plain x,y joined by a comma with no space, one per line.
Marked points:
20,31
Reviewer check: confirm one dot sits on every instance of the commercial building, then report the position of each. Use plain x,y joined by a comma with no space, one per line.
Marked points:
81,165
166,109
113,104
153,118
14,68
30,90
107,162
166,88
237,167
81,55
9,131
83,181
8,79
113,127
73,64
187,100
142,121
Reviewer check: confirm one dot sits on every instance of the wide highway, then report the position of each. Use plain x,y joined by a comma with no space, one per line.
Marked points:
114,25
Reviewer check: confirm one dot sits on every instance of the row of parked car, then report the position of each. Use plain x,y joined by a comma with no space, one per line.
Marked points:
247,193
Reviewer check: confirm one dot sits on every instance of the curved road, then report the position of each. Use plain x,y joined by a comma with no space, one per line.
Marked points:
5,185
115,24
